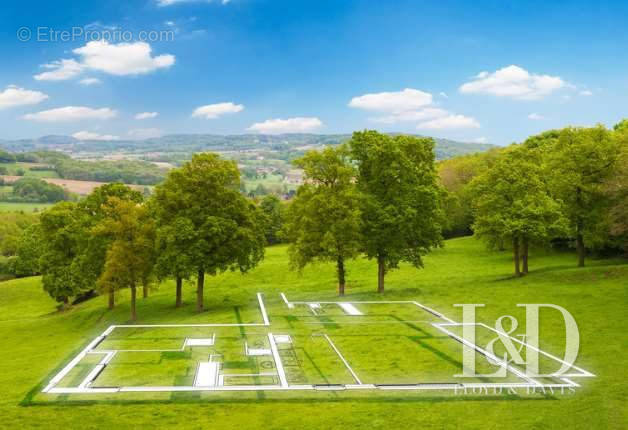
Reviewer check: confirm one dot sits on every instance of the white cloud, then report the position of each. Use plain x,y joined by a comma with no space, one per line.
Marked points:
480,139
414,106
71,113
88,135
412,116
123,58
213,111
290,125
586,93
146,115
535,116
399,101
163,3
449,122
443,94
515,82
145,133
60,70
90,81
120,59
16,96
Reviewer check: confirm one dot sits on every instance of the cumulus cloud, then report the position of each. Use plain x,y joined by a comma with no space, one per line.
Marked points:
413,106
146,115
289,125
399,101
120,59
514,82
60,70
88,135
90,81
16,96
586,93
71,113
145,133
450,121
535,116
215,110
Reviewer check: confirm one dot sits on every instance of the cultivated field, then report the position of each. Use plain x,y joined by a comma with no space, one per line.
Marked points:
387,344
74,186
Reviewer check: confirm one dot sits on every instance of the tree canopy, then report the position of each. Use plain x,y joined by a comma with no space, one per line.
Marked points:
226,231
401,198
323,221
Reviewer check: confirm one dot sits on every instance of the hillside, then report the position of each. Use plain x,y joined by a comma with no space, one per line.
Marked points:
190,143
36,341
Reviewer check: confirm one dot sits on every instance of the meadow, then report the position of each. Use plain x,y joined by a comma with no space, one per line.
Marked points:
37,340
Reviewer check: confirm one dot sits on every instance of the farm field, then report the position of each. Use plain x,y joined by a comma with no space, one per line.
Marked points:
72,185
37,342
24,207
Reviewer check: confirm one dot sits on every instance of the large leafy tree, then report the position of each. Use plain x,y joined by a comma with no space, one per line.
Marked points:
129,257
61,235
401,198
224,230
28,252
323,221
512,201
271,207
93,247
579,162
617,189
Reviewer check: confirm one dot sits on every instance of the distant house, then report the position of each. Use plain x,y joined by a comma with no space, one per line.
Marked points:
294,177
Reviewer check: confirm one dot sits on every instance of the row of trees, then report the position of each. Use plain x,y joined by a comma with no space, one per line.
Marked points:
562,185
196,224
378,196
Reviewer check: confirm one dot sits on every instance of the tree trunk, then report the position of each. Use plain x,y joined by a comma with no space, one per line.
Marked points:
200,283
579,237
145,290
515,248
341,275
66,303
580,248
524,255
112,300
381,272
133,311
179,285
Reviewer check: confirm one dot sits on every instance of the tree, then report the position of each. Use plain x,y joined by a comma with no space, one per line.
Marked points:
28,253
175,237
617,189
578,165
93,246
323,221
511,201
401,203
226,231
61,234
130,254
271,207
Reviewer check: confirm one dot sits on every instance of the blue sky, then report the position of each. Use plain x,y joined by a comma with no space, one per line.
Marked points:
494,71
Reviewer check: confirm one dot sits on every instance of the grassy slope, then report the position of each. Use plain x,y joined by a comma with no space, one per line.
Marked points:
35,340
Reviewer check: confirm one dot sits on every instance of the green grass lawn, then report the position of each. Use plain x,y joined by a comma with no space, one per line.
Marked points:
24,207
36,341
12,169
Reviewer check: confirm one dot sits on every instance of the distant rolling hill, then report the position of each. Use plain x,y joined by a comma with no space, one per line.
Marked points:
190,143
